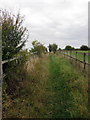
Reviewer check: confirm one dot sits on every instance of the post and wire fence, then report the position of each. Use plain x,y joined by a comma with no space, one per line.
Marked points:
81,57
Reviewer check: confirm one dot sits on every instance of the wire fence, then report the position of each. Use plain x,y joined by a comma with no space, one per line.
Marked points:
82,57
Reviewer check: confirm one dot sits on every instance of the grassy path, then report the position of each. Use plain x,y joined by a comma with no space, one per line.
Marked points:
53,89
68,86
60,88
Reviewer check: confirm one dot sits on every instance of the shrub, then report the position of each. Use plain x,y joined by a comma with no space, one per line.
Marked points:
14,34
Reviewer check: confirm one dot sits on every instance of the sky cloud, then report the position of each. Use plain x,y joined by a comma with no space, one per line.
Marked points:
64,22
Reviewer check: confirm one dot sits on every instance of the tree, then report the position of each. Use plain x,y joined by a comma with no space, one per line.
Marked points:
84,47
38,48
68,47
53,47
50,47
14,35
59,49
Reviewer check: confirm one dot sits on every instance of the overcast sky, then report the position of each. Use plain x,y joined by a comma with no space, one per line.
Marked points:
64,22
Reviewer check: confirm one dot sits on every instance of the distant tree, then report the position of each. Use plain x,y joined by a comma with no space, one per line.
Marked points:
84,47
59,49
14,34
68,47
50,47
53,47
38,48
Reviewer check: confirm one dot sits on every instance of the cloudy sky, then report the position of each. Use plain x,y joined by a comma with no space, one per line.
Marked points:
64,22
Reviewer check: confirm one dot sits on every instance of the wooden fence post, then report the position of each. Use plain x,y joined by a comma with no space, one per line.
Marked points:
64,54
67,54
84,60
70,54
0,72
76,56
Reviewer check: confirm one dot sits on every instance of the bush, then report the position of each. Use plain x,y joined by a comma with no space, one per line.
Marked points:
38,48
14,34
15,73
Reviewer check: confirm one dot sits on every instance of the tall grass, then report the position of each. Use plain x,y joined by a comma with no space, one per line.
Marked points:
51,88
29,104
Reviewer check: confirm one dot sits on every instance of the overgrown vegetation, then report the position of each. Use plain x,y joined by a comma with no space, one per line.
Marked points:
38,48
14,34
15,73
51,88
14,37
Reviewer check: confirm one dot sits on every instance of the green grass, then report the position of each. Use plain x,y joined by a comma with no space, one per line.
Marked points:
88,51
53,88
68,99
80,56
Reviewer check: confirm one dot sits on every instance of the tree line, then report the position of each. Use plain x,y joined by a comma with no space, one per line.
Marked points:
15,35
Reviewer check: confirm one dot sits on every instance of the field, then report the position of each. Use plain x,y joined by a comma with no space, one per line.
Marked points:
52,88
83,51
80,55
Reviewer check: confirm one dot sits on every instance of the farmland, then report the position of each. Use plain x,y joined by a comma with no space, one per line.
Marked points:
80,55
52,89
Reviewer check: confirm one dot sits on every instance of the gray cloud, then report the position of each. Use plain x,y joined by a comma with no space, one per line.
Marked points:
53,21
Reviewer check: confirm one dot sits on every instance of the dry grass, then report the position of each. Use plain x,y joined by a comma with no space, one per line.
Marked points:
33,95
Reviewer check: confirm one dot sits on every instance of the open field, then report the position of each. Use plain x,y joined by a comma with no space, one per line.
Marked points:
83,51
52,88
80,55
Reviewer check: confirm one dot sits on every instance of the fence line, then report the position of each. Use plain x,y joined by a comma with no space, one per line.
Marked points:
6,61
74,55
12,59
9,60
